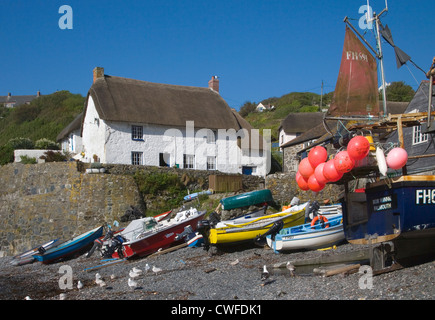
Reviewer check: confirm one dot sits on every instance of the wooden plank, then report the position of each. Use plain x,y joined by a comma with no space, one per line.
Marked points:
111,263
400,131
345,269
323,259
168,250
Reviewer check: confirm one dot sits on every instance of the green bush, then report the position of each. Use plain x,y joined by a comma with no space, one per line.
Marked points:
21,143
6,154
161,184
46,144
27,160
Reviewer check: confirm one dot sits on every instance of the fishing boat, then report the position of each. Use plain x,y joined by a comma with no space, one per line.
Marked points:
27,256
142,240
308,236
247,199
248,228
70,248
394,211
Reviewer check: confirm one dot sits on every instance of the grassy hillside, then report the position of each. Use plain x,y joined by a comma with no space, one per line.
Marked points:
44,117
289,103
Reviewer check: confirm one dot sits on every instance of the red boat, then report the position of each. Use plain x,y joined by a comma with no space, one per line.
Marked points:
160,236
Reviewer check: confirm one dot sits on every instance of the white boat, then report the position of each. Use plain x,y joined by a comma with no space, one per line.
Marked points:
308,236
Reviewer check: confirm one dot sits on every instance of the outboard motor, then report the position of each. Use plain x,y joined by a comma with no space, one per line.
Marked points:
311,211
274,229
203,227
187,230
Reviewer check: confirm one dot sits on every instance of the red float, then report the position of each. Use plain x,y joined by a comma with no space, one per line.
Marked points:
317,155
358,148
397,158
314,185
318,173
343,162
302,182
305,168
330,172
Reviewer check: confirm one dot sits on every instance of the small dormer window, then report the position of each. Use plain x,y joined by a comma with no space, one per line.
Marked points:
136,132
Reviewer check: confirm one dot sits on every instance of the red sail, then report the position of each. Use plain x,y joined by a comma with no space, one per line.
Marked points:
356,91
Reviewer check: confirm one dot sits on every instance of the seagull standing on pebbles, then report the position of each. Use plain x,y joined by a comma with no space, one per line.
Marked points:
132,284
147,267
79,285
291,268
264,274
137,270
133,274
156,270
62,296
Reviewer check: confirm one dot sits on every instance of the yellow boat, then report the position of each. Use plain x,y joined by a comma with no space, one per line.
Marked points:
243,229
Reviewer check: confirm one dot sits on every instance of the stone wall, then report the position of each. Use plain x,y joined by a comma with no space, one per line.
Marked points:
39,202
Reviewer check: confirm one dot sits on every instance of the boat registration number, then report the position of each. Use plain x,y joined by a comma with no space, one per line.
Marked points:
425,196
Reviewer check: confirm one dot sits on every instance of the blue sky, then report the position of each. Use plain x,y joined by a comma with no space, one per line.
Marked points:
259,49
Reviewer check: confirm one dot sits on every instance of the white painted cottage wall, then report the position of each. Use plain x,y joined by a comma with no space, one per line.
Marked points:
112,143
94,134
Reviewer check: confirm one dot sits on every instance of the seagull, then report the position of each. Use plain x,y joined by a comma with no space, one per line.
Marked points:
156,270
291,268
132,284
137,270
112,277
133,274
62,296
27,298
264,274
79,285
147,267
102,283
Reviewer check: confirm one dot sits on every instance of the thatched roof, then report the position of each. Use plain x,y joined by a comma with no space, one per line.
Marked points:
301,121
74,125
135,101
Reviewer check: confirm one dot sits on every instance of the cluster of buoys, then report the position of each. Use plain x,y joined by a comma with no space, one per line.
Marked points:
315,171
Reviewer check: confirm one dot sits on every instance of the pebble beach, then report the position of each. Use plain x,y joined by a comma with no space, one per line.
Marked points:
192,274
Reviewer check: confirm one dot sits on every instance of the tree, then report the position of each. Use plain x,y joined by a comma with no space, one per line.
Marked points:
399,91
247,108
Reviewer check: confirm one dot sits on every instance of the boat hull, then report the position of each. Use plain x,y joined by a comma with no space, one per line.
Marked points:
27,257
250,230
403,208
247,199
161,239
71,247
305,238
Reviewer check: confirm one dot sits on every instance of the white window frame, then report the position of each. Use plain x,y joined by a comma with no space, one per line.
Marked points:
136,158
189,161
137,133
417,135
211,163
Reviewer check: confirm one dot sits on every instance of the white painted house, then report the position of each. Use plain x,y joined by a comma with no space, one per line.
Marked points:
128,121
70,137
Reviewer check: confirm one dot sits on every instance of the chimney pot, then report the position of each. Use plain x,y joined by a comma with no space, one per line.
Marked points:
214,84
9,94
98,73
38,94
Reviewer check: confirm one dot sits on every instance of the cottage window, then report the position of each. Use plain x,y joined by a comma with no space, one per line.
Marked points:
418,136
211,136
137,132
211,163
136,158
188,161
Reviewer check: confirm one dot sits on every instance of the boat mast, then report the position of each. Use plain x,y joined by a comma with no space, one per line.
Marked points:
380,56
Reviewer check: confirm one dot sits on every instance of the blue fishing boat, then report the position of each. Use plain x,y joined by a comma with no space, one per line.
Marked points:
309,236
70,248
397,210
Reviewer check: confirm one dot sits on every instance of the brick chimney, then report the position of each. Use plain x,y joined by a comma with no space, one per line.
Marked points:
98,73
214,83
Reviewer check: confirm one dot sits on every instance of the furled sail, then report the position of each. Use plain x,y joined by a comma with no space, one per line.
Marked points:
356,90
